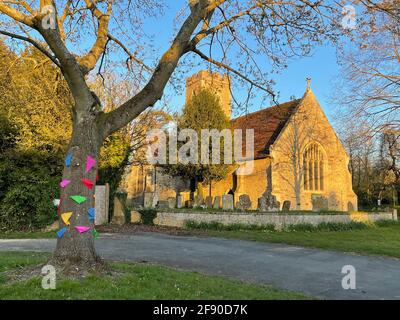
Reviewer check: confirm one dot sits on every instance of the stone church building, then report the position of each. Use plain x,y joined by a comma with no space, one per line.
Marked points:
299,161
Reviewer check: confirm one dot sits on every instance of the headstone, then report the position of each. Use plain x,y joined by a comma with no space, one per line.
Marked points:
286,206
148,200
171,203
198,201
227,202
155,200
271,203
262,204
163,204
136,217
208,202
179,201
102,196
189,203
244,202
118,214
319,203
217,202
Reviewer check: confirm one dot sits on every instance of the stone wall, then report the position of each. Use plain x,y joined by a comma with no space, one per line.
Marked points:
178,219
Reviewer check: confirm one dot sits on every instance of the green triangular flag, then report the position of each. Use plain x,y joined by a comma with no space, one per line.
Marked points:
95,234
78,199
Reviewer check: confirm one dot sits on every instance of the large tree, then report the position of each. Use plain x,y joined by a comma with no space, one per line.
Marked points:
75,35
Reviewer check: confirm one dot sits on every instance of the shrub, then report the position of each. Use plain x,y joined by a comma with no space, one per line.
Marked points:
308,227
232,227
386,223
28,186
148,216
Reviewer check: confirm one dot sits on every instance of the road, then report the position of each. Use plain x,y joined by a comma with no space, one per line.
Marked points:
311,271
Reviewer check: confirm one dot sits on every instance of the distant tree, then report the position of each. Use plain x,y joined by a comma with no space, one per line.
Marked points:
202,112
370,83
390,160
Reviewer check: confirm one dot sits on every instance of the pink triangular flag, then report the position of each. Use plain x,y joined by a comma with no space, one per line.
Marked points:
64,183
88,183
90,163
81,229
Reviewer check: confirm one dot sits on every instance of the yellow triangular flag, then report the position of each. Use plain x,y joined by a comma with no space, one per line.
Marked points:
66,216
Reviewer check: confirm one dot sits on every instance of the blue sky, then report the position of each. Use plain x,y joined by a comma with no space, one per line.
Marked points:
321,67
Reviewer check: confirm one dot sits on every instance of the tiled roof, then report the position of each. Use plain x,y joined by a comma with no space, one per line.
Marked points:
267,125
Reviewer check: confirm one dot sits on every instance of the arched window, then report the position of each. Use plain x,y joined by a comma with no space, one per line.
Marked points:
313,160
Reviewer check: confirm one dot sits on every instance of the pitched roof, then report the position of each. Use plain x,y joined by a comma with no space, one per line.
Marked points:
267,125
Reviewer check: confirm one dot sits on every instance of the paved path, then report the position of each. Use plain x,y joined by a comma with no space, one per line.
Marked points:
312,271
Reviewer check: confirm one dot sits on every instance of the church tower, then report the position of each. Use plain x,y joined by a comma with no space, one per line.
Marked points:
219,84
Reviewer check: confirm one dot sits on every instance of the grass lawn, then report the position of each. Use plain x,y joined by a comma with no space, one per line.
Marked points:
131,281
383,241
28,235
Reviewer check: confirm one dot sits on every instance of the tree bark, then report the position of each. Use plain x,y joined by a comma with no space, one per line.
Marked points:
74,248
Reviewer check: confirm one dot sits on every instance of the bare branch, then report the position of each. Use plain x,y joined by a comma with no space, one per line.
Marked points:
34,43
226,67
16,15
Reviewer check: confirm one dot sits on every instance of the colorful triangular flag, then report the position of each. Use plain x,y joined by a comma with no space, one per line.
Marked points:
68,160
65,217
90,163
78,199
91,213
61,232
64,183
95,234
82,229
88,183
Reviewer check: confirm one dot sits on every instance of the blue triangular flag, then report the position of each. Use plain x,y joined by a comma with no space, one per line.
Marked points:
61,232
91,213
68,160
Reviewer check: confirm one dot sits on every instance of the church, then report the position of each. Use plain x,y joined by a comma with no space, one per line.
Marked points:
299,161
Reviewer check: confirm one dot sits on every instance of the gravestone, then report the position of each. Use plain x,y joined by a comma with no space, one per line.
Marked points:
273,204
198,201
155,200
136,217
319,203
171,203
227,202
262,204
163,204
286,206
179,201
102,196
208,202
244,202
118,214
217,202
148,200
189,203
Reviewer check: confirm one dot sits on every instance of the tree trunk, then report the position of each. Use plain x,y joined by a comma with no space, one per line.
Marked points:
75,248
